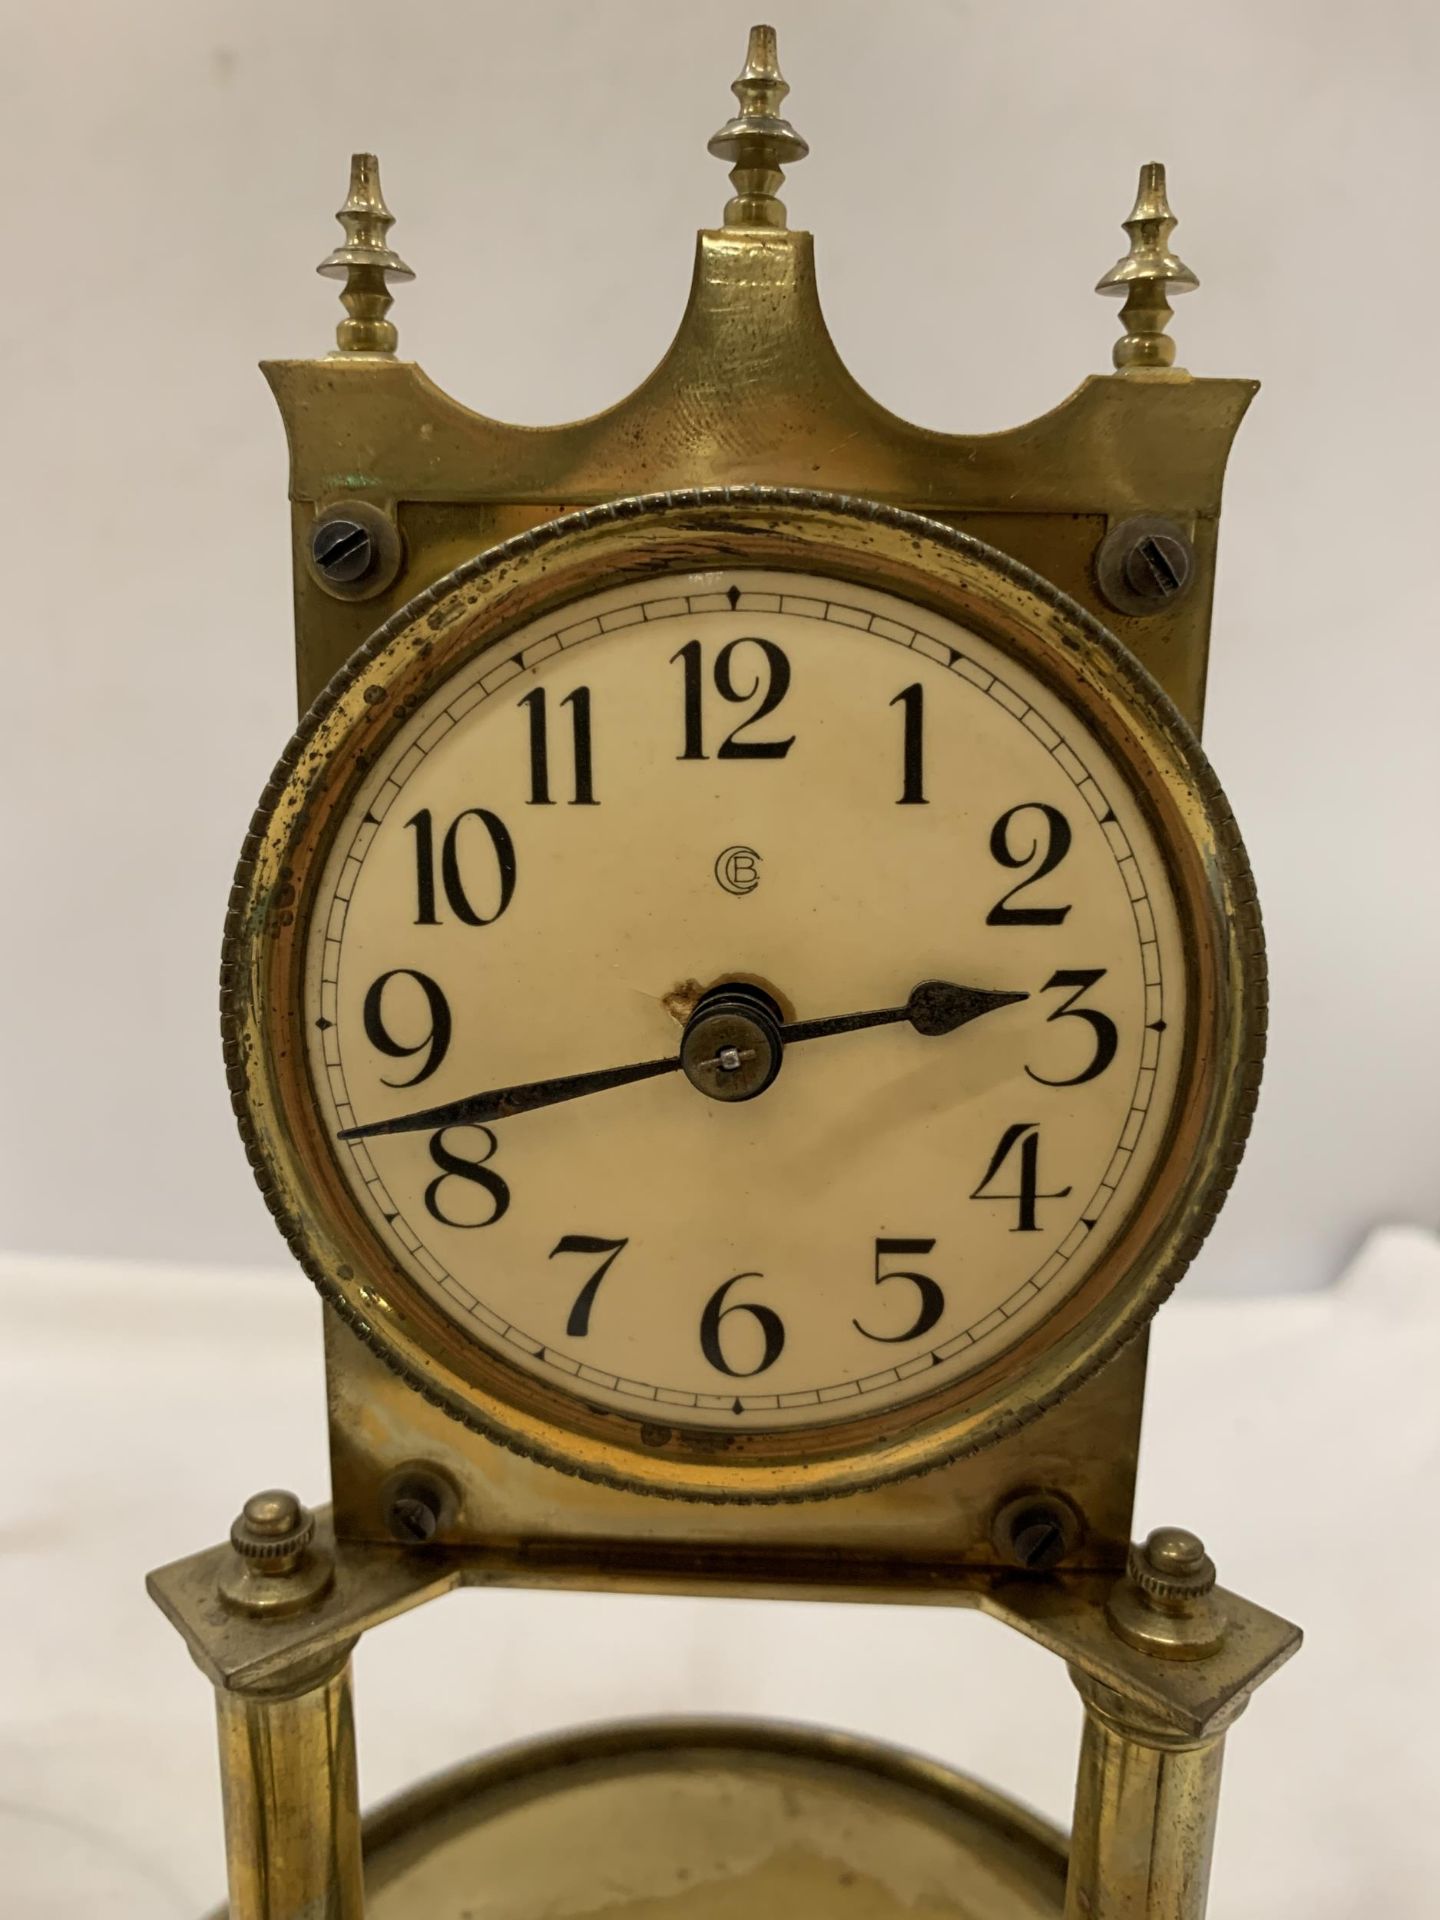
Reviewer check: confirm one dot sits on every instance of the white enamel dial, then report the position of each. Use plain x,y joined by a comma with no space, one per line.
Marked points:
823,794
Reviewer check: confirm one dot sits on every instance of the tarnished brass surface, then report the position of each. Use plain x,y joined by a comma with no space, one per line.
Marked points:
291,1797
1146,1801
1064,1612
475,610
753,391
708,1820
1084,1449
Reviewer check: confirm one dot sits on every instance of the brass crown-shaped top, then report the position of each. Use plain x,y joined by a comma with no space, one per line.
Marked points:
759,143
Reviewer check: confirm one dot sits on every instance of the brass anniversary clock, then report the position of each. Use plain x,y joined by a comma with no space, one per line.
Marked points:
744,994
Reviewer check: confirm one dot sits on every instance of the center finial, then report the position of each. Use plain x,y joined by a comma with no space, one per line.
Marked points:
759,143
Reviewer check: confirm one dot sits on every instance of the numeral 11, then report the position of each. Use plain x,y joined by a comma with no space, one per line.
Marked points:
579,705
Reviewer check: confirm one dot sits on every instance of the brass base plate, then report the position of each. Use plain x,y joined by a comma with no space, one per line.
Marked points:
708,1820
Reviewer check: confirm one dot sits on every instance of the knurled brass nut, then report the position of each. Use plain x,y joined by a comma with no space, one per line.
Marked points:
1172,1567
273,1526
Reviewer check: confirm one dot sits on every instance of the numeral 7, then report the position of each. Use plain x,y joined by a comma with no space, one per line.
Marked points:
578,1325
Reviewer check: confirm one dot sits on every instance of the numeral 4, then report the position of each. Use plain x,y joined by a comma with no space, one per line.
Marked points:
1023,1140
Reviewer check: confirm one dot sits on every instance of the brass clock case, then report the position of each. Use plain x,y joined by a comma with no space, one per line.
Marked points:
476,608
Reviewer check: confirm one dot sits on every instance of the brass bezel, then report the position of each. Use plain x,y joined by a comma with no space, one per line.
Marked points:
473,609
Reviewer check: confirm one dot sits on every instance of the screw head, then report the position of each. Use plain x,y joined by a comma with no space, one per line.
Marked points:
343,550
417,1503
1158,566
1036,1530
412,1518
1144,564
1038,1541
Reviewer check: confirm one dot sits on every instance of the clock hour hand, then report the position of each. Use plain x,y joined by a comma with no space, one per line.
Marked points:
934,1007
731,1050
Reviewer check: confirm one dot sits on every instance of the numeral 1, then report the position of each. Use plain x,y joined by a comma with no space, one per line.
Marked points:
579,705
912,791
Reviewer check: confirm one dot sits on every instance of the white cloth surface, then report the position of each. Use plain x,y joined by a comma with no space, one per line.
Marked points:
1300,1435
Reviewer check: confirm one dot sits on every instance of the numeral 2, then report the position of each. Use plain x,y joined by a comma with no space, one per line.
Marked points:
774,678
1056,846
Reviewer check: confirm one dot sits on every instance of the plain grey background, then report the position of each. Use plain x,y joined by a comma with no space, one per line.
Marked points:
172,173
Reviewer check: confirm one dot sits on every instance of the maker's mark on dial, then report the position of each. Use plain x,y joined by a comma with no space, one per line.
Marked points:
737,869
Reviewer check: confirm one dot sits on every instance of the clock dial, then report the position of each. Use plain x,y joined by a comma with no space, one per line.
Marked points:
798,799
737,1000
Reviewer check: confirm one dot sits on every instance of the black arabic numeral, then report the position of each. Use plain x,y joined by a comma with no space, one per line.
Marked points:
578,1325
1026,1136
773,678
579,705
474,1172
424,831
772,1330
452,885
436,1038
1107,1034
912,788
932,1299
690,659
1056,846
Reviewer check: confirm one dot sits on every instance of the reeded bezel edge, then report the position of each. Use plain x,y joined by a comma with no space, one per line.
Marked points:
1236,1024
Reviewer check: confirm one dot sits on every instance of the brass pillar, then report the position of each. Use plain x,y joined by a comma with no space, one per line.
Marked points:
1146,1799
291,1796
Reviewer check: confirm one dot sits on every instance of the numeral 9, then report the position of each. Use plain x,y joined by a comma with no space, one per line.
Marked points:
434,1043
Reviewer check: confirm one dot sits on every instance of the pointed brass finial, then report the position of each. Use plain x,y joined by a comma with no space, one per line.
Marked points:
1145,277
365,263
758,142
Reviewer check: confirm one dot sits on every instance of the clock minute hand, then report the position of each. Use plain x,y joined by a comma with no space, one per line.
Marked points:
502,1103
934,1007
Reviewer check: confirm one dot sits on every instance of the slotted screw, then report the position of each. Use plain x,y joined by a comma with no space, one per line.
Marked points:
417,1505
343,550
1036,1530
1157,566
